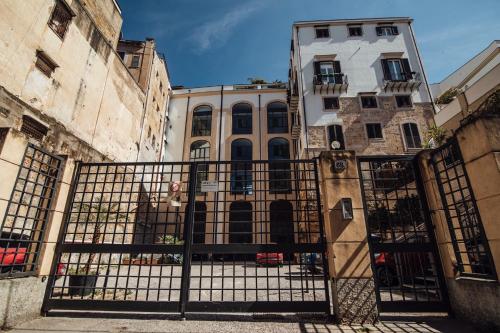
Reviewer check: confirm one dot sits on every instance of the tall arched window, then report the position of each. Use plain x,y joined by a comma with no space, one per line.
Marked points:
281,222
412,137
335,134
200,151
277,118
240,222
241,167
242,118
200,218
279,171
202,121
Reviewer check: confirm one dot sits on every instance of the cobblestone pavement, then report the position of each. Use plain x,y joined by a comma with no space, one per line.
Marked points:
234,323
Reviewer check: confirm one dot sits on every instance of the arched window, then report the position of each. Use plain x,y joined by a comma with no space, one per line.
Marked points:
335,134
202,121
242,118
412,137
281,218
200,151
277,118
240,222
279,172
200,218
241,167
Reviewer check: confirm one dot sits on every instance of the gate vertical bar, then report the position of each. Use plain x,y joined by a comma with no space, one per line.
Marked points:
60,237
188,239
322,237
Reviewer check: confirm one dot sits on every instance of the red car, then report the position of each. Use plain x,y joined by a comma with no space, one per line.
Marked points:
269,259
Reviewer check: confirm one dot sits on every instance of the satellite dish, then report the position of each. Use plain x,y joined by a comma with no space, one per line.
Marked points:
335,145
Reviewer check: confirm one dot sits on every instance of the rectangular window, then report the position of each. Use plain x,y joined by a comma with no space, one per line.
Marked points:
43,62
335,134
412,137
331,103
60,19
322,32
369,102
327,72
135,61
403,101
387,30
355,31
374,131
397,69
121,54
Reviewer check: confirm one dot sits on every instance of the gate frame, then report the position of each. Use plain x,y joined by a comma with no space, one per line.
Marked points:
396,306
183,305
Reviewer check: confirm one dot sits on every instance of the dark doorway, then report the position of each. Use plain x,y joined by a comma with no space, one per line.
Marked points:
281,217
200,219
240,222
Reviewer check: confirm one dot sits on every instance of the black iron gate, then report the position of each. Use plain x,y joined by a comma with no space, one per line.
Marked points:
191,237
403,250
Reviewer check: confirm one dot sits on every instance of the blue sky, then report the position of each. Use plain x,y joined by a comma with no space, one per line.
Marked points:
211,42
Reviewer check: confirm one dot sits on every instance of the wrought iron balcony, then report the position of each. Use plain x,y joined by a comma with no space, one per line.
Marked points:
403,82
326,83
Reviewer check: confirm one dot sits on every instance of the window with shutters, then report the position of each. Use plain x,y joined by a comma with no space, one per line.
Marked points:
411,135
60,18
322,31
387,30
202,121
403,101
369,102
374,131
277,118
327,72
396,69
335,134
355,31
44,63
242,118
330,103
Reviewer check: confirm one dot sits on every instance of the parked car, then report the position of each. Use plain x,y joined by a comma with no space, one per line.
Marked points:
269,259
13,248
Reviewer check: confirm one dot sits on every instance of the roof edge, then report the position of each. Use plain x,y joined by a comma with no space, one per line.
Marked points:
405,19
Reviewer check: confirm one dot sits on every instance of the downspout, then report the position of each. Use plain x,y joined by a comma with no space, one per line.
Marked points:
260,130
220,121
422,67
302,90
185,126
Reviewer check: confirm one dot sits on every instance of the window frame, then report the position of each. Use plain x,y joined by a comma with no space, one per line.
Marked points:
342,142
404,106
361,97
360,27
246,114
417,128
63,8
201,131
285,128
135,56
322,28
381,138
394,31
336,106
45,64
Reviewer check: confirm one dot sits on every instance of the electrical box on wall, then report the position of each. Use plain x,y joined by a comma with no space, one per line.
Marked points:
346,208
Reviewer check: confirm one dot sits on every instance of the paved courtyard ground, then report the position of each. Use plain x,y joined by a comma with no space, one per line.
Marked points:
235,323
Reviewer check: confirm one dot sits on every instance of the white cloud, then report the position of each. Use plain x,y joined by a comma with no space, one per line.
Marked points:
216,32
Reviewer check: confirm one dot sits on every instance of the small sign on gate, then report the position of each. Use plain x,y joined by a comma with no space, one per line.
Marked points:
209,186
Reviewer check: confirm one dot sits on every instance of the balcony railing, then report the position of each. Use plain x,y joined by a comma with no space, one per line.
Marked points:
403,82
330,82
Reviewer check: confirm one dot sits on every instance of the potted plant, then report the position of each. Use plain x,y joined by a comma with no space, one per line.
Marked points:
83,279
171,258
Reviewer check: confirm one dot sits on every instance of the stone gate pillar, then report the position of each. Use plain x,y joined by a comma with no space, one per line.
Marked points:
351,275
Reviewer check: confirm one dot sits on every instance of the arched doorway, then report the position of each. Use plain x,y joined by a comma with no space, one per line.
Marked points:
281,222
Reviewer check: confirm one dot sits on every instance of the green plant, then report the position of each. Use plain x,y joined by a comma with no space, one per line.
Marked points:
434,137
256,80
171,258
447,96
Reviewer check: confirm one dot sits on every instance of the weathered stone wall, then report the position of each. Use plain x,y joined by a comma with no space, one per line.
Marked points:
354,120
